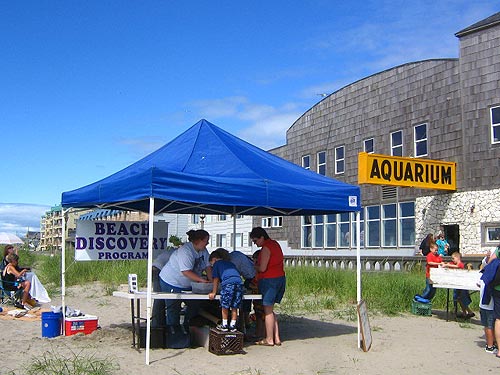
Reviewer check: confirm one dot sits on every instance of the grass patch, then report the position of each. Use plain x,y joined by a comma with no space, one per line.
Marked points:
50,363
308,290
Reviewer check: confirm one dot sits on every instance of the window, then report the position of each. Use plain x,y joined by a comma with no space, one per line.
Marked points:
331,230
239,239
221,217
420,140
220,240
339,160
277,221
195,219
318,231
266,222
491,234
306,162
306,231
397,143
322,162
495,125
407,224
368,146
373,226
389,225
343,230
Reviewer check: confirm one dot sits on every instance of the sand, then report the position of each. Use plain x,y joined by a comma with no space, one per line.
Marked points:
312,344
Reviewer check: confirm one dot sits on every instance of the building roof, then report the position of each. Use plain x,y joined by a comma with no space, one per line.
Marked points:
484,24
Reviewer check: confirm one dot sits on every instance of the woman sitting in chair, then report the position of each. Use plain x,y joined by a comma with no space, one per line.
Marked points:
12,274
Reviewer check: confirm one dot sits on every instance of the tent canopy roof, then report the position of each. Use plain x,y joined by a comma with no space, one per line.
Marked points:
207,170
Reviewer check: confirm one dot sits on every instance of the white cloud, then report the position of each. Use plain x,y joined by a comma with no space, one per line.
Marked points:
260,124
19,217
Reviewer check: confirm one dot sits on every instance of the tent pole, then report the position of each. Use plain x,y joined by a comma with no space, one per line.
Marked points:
358,269
150,275
63,269
234,229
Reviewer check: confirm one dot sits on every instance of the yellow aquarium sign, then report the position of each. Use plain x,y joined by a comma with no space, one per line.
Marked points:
413,172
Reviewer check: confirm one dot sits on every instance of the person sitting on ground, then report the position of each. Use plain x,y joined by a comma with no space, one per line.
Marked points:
231,293
460,295
12,274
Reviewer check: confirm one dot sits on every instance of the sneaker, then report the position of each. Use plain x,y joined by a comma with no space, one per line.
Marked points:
27,307
222,328
491,349
232,329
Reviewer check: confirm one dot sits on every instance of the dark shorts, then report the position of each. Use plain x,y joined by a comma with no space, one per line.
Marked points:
487,318
272,290
496,302
231,296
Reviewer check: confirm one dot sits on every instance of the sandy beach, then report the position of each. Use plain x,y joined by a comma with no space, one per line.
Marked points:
312,344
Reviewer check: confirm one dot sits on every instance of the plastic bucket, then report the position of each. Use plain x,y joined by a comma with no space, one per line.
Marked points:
51,324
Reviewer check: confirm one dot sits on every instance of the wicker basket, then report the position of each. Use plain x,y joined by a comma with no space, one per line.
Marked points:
419,308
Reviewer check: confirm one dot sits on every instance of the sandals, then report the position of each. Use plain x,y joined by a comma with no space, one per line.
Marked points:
263,343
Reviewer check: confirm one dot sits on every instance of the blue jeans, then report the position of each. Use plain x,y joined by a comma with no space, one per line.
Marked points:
429,290
173,306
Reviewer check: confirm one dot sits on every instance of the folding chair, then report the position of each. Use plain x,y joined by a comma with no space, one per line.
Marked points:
10,293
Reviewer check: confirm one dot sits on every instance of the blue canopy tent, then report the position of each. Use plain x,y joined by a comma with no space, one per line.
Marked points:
206,170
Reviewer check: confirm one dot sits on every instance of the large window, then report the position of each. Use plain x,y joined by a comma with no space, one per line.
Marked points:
306,162
397,143
389,225
343,230
407,224
495,125
321,156
331,230
373,226
339,160
318,231
420,134
306,231
369,146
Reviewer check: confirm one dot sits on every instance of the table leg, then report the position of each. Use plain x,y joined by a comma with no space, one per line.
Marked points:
447,302
133,321
138,321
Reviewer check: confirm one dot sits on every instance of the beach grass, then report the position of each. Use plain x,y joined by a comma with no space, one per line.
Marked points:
309,289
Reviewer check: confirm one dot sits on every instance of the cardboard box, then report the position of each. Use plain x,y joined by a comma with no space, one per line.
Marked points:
80,324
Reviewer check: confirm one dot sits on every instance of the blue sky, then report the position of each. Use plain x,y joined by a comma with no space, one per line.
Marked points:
89,87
